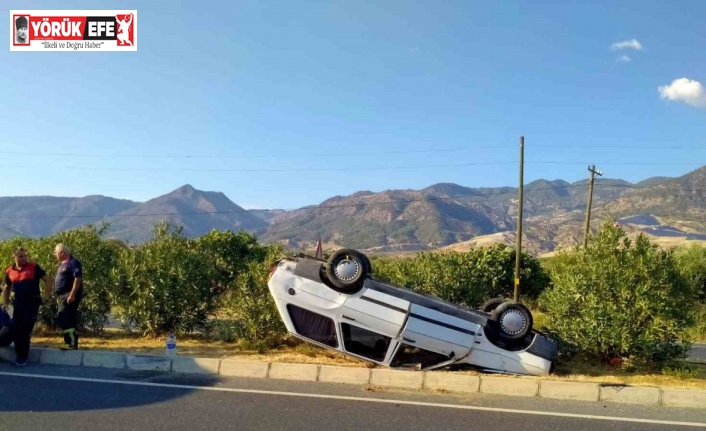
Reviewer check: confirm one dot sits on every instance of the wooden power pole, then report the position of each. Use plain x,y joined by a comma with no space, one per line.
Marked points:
594,172
518,253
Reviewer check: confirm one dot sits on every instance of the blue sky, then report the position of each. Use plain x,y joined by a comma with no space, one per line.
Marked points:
280,104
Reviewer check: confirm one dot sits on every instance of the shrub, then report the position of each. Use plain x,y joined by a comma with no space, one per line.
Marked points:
467,278
247,311
692,264
165,284
230,253
621,298
697,333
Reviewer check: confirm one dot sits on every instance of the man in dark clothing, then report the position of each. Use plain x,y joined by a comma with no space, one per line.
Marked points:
5,329
68,286
22,279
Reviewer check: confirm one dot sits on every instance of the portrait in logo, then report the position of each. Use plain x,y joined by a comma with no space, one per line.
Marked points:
124,27
22,30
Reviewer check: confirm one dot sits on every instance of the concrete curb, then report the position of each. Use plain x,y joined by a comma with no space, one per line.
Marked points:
104,359
378,377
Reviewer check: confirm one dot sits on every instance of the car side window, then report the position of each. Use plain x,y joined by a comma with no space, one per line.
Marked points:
365,343
411,356
313,326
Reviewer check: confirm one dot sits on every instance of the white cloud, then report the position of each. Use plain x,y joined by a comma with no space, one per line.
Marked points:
624,59
684,90
627,44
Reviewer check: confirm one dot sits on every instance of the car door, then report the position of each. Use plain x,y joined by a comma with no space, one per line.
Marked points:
438,332
375,311
365,343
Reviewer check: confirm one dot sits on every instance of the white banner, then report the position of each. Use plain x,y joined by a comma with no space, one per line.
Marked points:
73,30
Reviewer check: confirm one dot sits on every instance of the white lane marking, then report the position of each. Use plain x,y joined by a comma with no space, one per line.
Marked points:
370,400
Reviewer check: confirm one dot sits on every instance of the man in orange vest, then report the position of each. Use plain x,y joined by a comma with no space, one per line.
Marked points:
22,279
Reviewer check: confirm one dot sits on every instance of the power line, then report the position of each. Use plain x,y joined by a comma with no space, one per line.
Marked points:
624,147
320,207
375,153
360,168
615,163
252,156
481,195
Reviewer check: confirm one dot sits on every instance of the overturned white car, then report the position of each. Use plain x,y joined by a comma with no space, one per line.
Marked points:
337,304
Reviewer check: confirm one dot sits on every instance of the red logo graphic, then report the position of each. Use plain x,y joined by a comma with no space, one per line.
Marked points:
126,32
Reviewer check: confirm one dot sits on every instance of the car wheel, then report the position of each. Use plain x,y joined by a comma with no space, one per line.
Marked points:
491,304
368,264
346,269
513,320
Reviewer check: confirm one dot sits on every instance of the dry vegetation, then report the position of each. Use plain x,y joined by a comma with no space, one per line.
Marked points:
297,352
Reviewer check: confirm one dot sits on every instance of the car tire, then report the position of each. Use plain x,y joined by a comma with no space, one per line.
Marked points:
513,321
491,304
368,264
347,269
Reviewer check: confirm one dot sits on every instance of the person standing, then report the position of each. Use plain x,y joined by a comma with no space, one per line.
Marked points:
68,287
22,279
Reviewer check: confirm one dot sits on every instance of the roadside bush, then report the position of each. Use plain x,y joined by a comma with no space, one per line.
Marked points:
165,284
692,264
697,333
246,310
468,278
230,254
619,298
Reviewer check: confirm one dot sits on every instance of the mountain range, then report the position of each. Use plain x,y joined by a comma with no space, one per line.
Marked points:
441,216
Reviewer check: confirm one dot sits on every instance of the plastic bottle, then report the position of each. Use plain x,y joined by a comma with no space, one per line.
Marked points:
171,349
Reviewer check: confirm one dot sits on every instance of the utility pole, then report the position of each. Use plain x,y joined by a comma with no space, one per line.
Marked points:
518,252
594,172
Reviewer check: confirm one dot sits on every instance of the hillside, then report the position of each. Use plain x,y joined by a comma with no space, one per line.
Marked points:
197,211
36,216
441,216
680,202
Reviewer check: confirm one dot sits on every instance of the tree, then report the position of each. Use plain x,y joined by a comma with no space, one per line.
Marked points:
619,298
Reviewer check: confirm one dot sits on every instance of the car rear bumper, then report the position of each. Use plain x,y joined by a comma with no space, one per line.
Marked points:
543,348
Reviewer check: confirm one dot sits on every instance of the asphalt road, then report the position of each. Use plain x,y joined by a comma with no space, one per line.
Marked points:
41,397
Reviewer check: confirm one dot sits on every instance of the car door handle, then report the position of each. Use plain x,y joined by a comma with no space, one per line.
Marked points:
349,318
407,339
